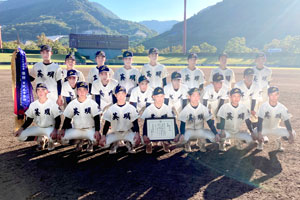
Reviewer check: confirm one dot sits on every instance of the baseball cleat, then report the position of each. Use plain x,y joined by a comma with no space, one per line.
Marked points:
90,147
260,146
149,148
113,149
166,147
79,146
51,146
266,139
222,146
42,144
187,147
129,147
279,145
202,147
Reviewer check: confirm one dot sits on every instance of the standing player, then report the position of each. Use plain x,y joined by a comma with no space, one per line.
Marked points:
232,116
192,76
156,110
46,115
154,71
127,76
70,61
122,117
176,93
192,119
270,115
85,114
103,88
228,74
68,91
48,73
141,96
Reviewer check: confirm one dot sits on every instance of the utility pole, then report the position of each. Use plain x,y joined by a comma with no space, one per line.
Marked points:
184,30
0,37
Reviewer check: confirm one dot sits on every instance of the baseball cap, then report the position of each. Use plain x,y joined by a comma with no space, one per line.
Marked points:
175,75
260,54
192,55
158,91
120,88
218,77
248,71
82,85
153,50
273,89
127,54
103,68
41,85
192,90
235,91
70,56
143,78
100,53
46,48
71,72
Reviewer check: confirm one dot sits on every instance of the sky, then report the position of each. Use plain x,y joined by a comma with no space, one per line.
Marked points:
162,10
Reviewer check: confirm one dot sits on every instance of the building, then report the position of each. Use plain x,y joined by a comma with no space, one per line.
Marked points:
88,44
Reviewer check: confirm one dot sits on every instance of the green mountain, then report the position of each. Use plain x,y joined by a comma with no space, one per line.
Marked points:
60,17
259,21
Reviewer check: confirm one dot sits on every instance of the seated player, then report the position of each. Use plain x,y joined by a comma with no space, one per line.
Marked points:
122,117
141,96
156,110
68,91
85,114
103,88
232,116
46,115
176,93
70,61
270,115
192,119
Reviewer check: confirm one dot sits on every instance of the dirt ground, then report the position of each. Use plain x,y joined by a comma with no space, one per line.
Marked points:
235,174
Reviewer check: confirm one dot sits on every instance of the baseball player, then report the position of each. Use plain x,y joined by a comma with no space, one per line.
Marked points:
85,114
270,115
228,74
122,117
70,61
127,76
154,71
192,119
176,93
49,73
46,115
103,88
141,96
192,76
94,72
157,110
68,91
232,116
215,94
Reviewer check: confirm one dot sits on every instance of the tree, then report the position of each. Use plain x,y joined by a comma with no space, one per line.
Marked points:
195,49
207,48
176,49
140,49
43,40
237,45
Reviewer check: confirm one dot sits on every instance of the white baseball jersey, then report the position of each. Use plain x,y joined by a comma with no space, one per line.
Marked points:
228,74
106,92
152,112
43,114
212,96
192,78
94,74
176,97
141,98
68,91
79,74
82,113
47,74
127,78
248,94
194,117
262,76
234,117
155,74
121,118
273,115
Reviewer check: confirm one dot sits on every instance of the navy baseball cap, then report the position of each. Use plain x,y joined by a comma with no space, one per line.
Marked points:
143,78
260,54
120,88
41,85
158,91
218,77
192,90
46,48
82,85
192,55
273,89
153,50
71,72
175,75
248,72
100,53
127,54
70,56
235,91
103,68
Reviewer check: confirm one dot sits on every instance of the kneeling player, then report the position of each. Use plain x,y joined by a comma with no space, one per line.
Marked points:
85,113
232,115
192,122
269,116
46,115
123,119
